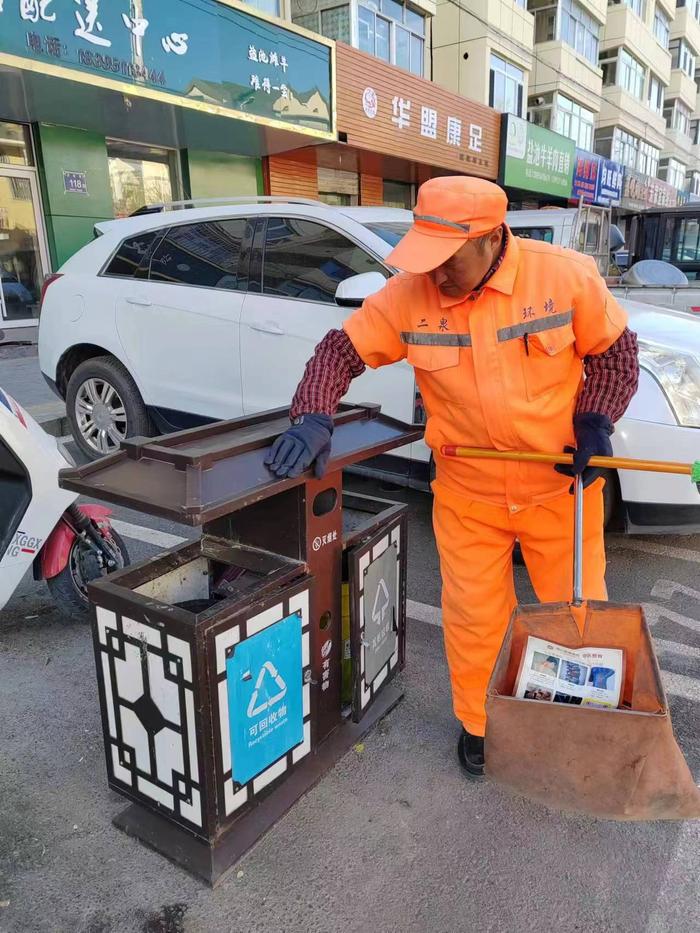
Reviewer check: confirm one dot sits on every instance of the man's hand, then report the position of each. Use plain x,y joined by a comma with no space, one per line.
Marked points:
592,432
308,440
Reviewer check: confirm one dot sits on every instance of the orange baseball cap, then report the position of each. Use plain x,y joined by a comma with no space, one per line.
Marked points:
449,211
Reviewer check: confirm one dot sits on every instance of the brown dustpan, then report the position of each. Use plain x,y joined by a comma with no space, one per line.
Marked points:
622,764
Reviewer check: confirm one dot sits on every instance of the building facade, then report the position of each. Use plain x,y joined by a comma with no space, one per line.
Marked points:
108,107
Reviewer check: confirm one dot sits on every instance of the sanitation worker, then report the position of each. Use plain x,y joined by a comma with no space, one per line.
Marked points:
516,344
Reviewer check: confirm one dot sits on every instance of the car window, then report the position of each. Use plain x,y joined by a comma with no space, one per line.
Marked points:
534,233
207,255
132,257
391,232
308,260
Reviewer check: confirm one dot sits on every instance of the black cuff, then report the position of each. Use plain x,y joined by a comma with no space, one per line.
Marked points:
593,419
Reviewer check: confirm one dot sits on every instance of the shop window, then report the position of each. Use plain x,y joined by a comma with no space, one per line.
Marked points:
15,147
133,256
506,84
398,194
308,260
139,176
204,255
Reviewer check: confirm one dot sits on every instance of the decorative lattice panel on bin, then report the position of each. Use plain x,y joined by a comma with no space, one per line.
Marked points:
272,708
147,695
377,581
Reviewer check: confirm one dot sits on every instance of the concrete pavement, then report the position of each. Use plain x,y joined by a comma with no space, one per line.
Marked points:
394,839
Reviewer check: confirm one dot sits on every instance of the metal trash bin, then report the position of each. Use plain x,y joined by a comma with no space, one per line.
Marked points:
219,661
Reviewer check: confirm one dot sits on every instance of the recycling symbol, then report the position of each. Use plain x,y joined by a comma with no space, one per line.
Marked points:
381,603
263,698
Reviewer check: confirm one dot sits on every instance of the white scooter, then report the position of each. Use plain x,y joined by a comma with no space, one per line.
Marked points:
40,524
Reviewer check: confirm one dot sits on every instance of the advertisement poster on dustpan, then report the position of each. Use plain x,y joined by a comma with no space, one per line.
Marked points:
577,676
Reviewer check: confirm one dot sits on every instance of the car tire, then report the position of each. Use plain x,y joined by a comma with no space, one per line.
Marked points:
611,498
104,407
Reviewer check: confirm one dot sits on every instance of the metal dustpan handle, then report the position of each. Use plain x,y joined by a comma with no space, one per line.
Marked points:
578,541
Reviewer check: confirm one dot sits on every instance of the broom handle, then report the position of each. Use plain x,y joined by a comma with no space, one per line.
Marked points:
619,463
531,456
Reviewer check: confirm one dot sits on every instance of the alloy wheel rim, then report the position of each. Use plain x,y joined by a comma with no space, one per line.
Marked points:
101,416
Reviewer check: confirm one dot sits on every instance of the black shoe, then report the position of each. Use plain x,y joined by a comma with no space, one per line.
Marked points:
471,753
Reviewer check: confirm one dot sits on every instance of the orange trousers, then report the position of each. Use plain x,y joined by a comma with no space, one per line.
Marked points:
475,541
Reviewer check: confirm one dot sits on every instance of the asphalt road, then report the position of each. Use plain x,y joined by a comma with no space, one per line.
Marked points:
393,839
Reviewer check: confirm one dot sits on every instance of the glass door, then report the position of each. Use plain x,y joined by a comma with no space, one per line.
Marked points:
23,256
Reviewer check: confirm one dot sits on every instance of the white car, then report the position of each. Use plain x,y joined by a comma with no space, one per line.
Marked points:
170,319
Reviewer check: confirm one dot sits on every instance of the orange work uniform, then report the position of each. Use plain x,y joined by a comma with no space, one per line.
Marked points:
501,368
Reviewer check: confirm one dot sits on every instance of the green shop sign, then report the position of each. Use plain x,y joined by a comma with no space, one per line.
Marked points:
210,55
536,159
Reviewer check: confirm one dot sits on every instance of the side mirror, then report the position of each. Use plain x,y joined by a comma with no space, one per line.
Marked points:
617,240
353,291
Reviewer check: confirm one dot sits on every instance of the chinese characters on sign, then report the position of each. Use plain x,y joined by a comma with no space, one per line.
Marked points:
34,10
546,156
599,180
448,130
536,159
274,60
89,27
264,676
203,53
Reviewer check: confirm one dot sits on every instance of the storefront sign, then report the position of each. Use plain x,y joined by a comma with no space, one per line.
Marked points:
394,113
640,192
536,159
598,180
586,171
610,182
75,183
207,54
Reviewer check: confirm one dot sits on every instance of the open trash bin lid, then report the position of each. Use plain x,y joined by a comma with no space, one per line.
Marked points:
199,475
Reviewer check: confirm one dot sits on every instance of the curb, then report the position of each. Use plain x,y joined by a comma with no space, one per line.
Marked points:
52,418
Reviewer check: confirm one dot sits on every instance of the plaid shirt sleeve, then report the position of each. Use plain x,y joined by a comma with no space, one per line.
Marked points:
327,376
611,378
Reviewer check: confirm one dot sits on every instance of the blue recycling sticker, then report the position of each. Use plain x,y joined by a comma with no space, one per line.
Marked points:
265,698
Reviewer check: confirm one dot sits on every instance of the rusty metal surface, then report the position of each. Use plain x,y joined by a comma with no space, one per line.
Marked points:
197,476
621,764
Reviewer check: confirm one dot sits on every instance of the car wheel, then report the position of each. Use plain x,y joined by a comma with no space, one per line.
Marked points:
611,498
104,407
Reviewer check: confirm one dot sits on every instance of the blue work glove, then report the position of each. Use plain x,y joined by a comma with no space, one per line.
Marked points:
592,432
307,441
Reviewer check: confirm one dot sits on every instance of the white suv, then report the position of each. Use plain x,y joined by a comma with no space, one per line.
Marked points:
170,319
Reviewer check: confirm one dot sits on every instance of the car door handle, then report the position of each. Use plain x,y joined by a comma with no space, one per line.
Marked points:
269,327
141,302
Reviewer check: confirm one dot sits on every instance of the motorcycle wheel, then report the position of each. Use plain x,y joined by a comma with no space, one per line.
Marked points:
69,587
